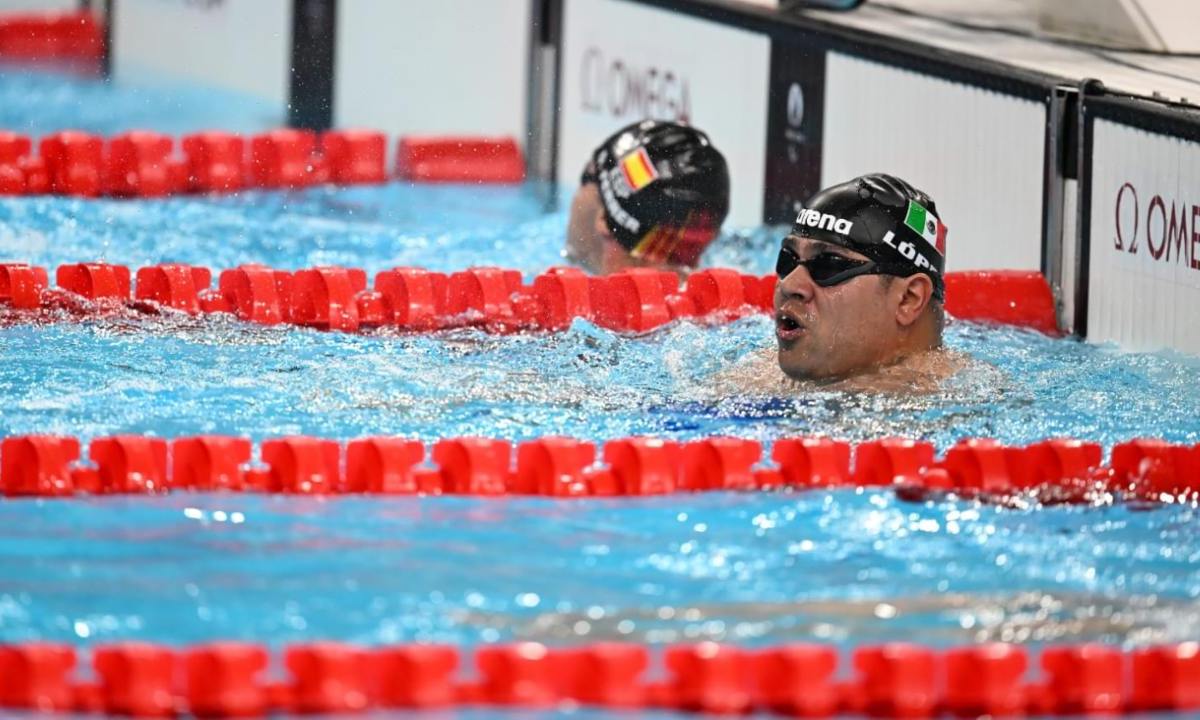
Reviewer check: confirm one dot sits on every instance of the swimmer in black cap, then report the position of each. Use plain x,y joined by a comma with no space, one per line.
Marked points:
653,194
860,282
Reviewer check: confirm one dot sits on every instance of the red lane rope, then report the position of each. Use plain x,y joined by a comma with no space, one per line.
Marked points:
226,679
412,299
73,38
1058,470
143,164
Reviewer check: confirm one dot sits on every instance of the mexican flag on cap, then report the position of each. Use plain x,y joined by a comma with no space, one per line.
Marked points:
927,225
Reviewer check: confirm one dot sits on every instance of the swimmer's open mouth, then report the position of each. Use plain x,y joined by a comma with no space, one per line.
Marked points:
787,326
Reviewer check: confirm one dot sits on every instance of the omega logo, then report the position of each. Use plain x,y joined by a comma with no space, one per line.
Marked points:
1164,230
620,88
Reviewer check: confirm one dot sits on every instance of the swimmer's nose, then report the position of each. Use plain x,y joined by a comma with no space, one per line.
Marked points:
798,285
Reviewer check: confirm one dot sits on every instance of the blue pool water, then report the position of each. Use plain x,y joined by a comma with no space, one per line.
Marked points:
840,567
39,102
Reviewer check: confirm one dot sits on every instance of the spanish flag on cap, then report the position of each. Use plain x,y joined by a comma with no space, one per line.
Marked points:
639,171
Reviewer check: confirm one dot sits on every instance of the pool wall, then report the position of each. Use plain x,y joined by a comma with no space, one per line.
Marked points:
454,66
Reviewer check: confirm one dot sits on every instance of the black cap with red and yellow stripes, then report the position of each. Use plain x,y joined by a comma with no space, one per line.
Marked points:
665,190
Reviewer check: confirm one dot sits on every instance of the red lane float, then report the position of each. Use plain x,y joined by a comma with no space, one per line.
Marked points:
14,149
633,300
223,679
1153,467
728,293
797,680
38,465
283,159
229,679
325,298
415,676
144,164
459,160
414,299
95,281
139,164
896,680
1056,461
607,675
328,678
48,466
482,296
554,467
215,161
813,462
74,38
136,679
721,463
74,163
130,464
891,460
1007,297
1085,679
257,294
209,462
562,294
643,466
474,466
1165,678
383,466
982,464
302,465
987,466
173,285
36,676
710,678
355,156
986,680
521,675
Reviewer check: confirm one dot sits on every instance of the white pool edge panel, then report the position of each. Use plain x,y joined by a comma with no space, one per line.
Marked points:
479,84
1144,261
246,47
978,153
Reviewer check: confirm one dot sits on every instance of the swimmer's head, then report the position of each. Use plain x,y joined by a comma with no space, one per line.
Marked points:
654,193
860,279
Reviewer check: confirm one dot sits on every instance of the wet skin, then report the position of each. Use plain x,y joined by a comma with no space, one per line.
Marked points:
864,323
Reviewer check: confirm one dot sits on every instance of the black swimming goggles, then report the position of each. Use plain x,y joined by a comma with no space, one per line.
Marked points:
828,269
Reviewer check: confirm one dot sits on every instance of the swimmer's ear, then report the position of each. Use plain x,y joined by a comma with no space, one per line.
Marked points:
602,226
915,294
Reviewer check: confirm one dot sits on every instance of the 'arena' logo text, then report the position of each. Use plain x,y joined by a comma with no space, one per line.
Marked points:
813,218
1168,229
625,90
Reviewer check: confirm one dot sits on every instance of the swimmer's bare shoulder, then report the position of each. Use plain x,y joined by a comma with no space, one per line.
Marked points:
924,373
920,374
757,373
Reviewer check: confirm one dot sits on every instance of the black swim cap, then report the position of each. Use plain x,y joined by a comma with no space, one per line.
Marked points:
884,218
665,190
